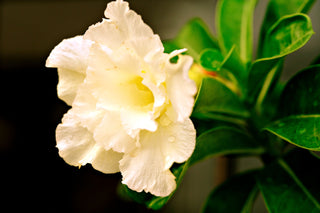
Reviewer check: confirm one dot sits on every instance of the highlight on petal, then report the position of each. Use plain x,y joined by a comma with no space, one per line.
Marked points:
147,168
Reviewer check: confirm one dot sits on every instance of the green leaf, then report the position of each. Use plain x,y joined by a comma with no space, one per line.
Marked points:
286,36
215,101
301,94
234,27
303,164
170,46
195,36
302,131
213,60
276,10
269,84
300,110
224,141
284,192
236,195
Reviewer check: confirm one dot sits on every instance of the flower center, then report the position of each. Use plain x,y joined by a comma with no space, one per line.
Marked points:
138,95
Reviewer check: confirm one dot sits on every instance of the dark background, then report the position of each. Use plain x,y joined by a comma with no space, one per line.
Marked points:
33,177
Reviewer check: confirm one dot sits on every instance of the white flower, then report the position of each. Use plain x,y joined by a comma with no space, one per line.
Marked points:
130,105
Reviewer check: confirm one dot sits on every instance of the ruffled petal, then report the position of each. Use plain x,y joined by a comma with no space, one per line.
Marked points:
85,109
124,28
77,147
147,168
181,89
73,141
70,54
70,57
119,90
111,85
133,121
144,170
128,20
106,161
111,135
106,33
179,139
68,84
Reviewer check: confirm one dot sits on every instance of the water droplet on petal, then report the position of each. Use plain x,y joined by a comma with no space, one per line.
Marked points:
165,121
171,139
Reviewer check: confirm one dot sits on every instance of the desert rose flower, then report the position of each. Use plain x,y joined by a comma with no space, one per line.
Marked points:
130,106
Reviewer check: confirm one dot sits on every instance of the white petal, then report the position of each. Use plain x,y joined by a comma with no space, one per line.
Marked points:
85,108
133,121
181,89
110,134
115,86
143,170
77,147
68,85
106,33
179,140
146,47
147,168
71,54
130,22
70,57
73,141
117,89
107,161
124,28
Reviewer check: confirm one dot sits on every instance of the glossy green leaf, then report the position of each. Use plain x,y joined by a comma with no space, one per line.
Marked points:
302,131
195,36
213,60
234,26
286,36
300,110
215,100
267,85
276,10
284,192
224,141
302,93
236,195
